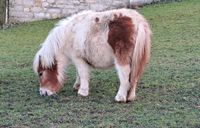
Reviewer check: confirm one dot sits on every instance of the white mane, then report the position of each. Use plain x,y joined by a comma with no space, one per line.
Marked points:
54,42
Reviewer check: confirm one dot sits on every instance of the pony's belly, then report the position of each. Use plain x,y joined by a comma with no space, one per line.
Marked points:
101,62
100,56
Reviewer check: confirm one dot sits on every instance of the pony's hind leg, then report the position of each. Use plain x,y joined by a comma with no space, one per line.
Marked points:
132,92
123,73
76,85
83,72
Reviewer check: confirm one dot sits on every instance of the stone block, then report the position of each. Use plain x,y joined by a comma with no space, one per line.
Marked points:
98,7
55,16
28,15
40,15
62,1
18,8
66,12
140,2
106,2
47,16
22,14
36,9
90,1
28,3
13,14
11,10
54,10
62,6
19,19
18,2
82,1
83,7
38,3
50,1
45,4
27,9
76,2
118,4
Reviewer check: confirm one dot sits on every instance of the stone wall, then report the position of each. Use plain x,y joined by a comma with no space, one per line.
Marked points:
30,10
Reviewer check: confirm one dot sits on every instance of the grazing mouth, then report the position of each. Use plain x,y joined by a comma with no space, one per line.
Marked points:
45,92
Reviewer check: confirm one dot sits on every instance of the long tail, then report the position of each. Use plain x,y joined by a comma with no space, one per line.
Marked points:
141,53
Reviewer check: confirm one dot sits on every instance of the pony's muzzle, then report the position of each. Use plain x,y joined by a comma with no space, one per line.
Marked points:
45,92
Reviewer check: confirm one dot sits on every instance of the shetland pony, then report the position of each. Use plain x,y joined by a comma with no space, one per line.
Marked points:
89,39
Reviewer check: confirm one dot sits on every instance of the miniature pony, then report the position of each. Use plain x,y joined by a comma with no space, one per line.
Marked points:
120,38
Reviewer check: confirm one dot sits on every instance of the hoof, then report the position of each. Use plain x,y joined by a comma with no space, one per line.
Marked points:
120,99
76,87
45,92
83,92
131,98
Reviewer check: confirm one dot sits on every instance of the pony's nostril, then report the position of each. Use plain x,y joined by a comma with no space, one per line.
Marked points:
46,94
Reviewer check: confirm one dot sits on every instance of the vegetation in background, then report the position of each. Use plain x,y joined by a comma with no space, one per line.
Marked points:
2,12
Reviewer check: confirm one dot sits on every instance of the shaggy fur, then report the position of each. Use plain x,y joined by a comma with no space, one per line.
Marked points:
119,38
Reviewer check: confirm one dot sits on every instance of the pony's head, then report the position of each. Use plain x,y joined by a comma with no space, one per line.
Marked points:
47,76
49,63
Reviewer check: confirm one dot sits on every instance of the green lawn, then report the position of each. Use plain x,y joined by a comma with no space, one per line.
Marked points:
168,93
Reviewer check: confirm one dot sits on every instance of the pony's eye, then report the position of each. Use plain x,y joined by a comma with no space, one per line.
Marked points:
40,74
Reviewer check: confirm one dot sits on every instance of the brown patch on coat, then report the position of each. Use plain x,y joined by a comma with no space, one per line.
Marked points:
48,77
96,19
121,38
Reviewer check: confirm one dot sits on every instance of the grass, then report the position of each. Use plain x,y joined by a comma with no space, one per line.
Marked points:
168,93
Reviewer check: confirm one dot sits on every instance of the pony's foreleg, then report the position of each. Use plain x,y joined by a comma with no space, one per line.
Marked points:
76,85
123,73
83,72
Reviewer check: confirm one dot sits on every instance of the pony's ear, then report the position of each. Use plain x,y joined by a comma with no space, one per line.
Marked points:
40,65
